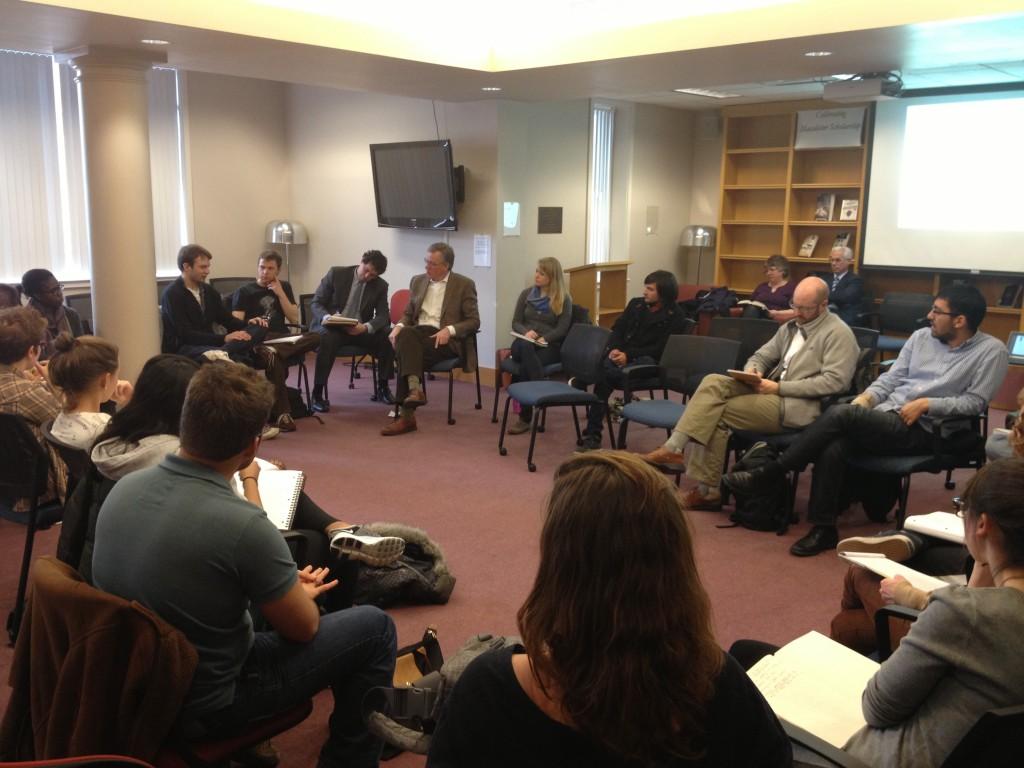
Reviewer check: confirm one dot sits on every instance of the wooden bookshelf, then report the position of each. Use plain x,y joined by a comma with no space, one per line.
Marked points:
769,191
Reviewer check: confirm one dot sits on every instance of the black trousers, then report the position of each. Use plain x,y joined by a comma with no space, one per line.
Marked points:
838,432
332,339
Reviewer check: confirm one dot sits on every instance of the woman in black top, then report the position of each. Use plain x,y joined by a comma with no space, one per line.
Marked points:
619,666
543,315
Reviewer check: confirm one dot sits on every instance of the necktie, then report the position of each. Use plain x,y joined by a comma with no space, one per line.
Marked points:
835,281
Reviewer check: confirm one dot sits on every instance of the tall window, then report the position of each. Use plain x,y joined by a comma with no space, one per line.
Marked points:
599,185
43,203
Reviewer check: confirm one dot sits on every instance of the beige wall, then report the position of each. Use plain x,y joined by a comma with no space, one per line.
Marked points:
329,133
237,157
542,161
705,198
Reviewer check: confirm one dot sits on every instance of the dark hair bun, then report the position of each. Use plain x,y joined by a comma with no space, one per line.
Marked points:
64,342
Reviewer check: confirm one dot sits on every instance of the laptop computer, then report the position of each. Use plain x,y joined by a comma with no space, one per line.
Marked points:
1016,346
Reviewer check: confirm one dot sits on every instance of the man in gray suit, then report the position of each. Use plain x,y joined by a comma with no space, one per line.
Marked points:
441,314
358,292
810,357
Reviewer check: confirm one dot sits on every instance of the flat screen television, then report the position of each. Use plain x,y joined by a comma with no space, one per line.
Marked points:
413,184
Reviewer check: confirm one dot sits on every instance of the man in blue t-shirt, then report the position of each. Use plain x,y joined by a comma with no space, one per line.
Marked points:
178,540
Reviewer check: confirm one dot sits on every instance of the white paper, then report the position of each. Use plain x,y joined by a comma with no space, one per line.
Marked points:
510,219
887,568
942,525
481,250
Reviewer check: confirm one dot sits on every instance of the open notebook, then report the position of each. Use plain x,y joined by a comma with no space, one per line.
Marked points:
942,525
279,492
816,683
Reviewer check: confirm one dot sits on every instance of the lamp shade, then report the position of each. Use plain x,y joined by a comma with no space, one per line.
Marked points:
284,232
698,236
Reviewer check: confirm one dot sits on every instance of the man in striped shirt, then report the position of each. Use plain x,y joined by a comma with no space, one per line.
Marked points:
949,368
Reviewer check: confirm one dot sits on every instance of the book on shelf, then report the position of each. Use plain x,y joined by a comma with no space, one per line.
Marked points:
816,684
848,210
842,240
807,247
941,525
279,492
535,342
883,566
825,206
339,320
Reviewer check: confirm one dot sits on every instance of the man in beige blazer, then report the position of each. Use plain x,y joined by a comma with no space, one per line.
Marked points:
441,314
810,357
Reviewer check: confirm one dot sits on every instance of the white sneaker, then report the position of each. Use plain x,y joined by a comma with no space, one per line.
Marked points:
894,546
373,550
269,432
213,355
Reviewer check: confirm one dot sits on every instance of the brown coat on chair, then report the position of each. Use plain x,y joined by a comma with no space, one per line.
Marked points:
92,673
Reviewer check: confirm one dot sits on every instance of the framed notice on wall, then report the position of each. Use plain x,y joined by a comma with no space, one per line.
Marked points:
842,127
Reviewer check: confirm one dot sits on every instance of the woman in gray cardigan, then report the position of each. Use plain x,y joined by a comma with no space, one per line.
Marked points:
543,314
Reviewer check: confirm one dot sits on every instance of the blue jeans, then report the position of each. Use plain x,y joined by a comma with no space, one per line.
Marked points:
353,651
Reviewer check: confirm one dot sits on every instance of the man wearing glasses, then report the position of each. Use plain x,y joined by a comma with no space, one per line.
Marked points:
810,357
442,312
949,368
46,296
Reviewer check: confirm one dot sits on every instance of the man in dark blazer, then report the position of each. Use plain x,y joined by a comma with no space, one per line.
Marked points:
441,314
846,289
358,292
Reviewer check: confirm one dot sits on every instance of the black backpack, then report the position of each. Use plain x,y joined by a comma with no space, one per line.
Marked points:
768,509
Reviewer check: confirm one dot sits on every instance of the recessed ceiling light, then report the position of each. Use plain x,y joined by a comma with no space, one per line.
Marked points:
150,41
818,53
490,88
705,92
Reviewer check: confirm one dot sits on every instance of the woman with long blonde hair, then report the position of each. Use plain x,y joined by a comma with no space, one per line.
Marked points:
542,315
619,665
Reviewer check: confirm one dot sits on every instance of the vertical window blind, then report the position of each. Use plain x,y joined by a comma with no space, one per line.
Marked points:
599,184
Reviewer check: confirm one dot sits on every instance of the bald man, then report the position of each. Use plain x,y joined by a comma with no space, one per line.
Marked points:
810,357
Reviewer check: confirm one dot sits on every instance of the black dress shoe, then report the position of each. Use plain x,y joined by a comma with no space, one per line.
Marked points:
820,539
747,482
320,405
384,395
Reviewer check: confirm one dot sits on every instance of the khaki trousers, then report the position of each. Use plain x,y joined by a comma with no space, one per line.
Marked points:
721,403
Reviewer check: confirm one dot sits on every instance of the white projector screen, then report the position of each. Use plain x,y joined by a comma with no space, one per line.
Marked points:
947,184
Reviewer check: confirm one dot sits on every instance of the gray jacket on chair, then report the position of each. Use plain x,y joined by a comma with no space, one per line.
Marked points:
823,366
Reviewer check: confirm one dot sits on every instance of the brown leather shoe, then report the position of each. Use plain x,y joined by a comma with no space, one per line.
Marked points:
400,426
693,499
664,459
415,399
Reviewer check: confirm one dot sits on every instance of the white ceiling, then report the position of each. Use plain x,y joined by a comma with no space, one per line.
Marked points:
951,52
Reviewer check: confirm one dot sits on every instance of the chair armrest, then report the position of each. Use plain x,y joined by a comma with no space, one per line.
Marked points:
883,640
957,434
820,747
640,372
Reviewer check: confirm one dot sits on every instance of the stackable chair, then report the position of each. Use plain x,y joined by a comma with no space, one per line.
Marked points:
24,472
449,366
901,313
356,354
226,287
751,332
582,358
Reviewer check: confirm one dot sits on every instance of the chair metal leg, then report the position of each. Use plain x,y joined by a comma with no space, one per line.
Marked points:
623,426
16,615
451,384
950,485
901,509
502,450
479,401
543,422
533,437
497,391
611,428
576,423
353,365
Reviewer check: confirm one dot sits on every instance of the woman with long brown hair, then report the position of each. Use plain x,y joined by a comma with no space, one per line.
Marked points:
619,665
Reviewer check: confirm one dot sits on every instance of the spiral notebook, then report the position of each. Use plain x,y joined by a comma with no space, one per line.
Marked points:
279,492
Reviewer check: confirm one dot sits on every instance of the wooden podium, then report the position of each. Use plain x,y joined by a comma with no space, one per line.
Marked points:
601,288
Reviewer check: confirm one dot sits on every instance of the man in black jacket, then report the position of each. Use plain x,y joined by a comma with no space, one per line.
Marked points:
638,336
357,292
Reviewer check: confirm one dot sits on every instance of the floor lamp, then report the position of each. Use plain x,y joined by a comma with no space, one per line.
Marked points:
700,237
286,233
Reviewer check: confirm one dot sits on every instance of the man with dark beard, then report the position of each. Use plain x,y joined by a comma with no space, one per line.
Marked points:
949,368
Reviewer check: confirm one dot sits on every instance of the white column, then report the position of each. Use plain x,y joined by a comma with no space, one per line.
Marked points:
115,120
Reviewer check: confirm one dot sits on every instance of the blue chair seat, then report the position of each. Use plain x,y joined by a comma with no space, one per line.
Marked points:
891,343
46,516
545,393
654,413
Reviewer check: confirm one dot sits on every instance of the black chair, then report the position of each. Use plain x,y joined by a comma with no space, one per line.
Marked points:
958,443
449,366
582,357
82,304
867,340
226,287
356,354
580,314
684,363
901,313
24,472
751,332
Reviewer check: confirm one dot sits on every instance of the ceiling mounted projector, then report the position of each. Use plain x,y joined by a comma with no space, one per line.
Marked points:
863,89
